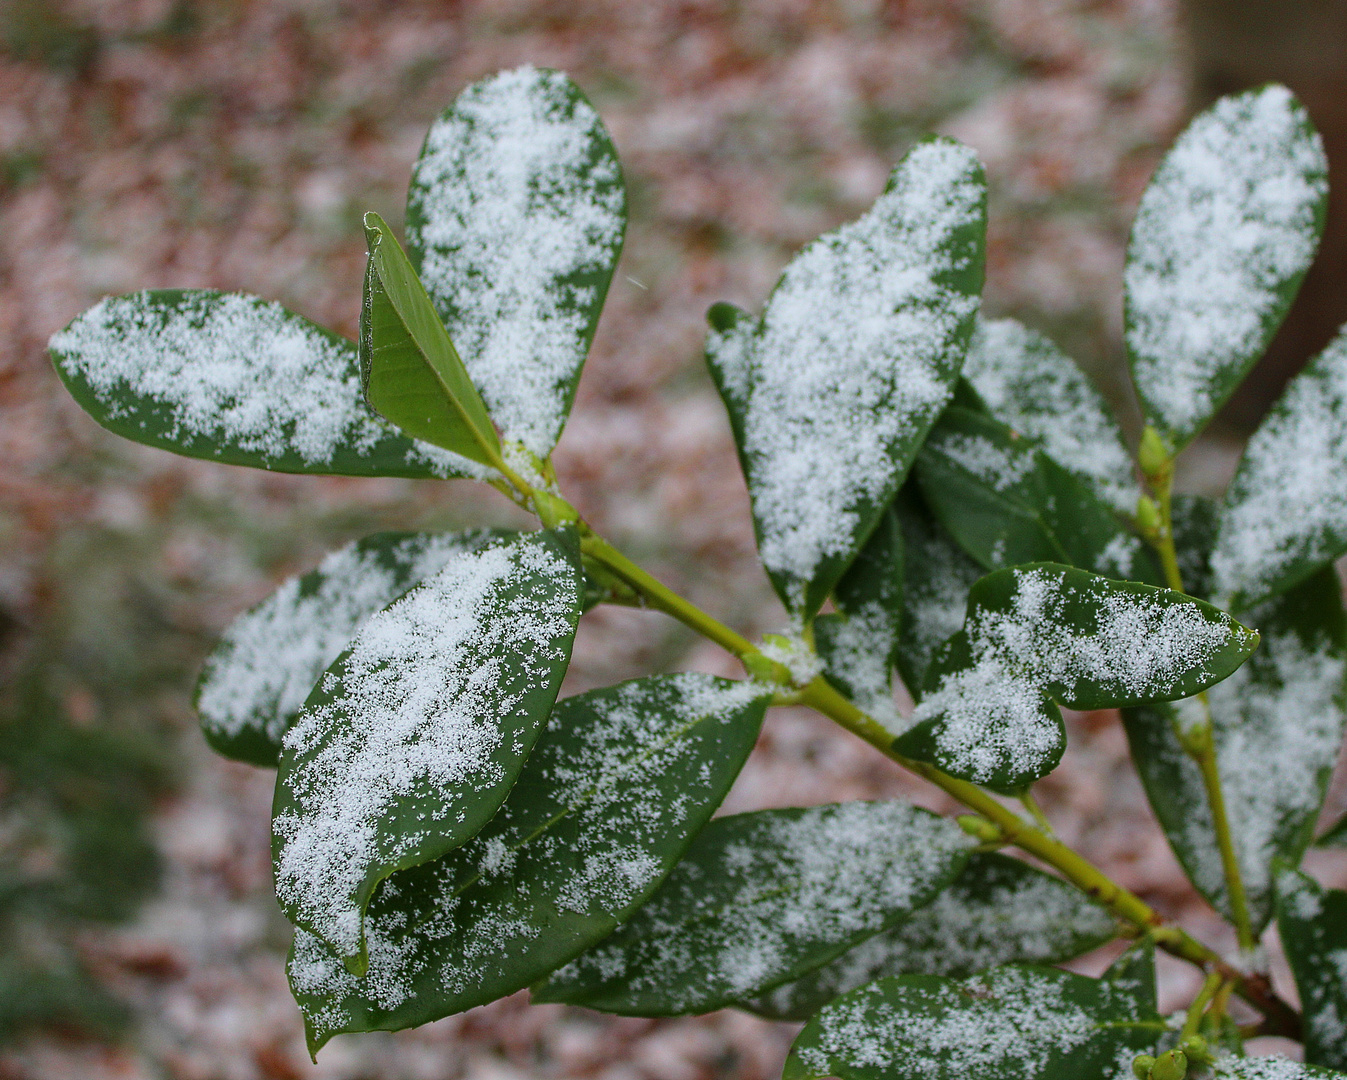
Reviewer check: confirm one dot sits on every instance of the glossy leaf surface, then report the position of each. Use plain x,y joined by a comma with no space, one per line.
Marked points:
997,911
612,795
1278,725
831,392
1312,922
1225,231
1044,635
1008,1022
515,218
413,737
268,660
762,898
234,379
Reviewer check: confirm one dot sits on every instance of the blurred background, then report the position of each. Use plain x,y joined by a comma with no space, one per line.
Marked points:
234,144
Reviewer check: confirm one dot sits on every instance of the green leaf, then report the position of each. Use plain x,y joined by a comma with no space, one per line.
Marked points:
1009,1022
1278,725
259,675
1285,513
760,899
1025,381
515,218
611,797
1312,922
1269,1068
1224,234
1335,836
831,393
413,737
235,379
1007,502
937,576
411,372
858,644
997,911
1043,635
1134,973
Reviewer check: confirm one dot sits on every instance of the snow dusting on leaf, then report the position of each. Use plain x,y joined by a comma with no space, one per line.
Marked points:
411,740
762,898
270,657
1285,514
1312,922
1029,384
227,375
852,361
516,210
1225,230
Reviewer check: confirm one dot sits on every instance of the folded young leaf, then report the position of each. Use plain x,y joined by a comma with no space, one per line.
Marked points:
1008,1022
760,899
1285,513
831,393
997,911
1224,234
858,644
1040,635
1007,502
615,790
937,576
1278,725
413,737
1312,922
1025,381
235,379
256,679
411,372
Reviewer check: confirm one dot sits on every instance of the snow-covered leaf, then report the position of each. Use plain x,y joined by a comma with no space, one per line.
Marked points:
1007,502
255,680
1278,723
1025,381
937,576
1312,922
412,738
616,788
1270,1068
1009,1022
762,898
411,372
858,644
1133,972
832,391
1285,513
1041,635
1224,234
515,218
235,379
998,911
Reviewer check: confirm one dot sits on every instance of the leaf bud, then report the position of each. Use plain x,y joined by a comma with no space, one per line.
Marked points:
1171,1065
1195,1048
1148,516
1141,1066
979,828
1152,455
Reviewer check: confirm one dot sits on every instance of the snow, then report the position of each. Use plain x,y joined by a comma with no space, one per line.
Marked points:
1286,511
1228,220
270,657
1028,383
517,209
852,361
420,715
790,884
230,370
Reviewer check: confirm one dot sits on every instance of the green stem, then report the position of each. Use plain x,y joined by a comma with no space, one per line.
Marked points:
1036,812
1201,744
1279,1018
1193,1020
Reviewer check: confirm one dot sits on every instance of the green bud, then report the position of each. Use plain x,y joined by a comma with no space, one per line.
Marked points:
1196,1049
1171,1065
553,510
979,828
1148,516
1142,1065
765,669
1152,454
